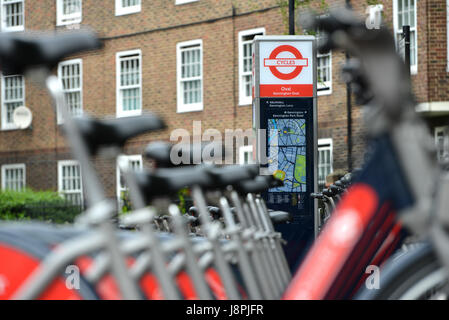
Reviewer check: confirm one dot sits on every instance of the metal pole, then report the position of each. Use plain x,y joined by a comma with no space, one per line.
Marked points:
348,111
349,125
291,17
406,35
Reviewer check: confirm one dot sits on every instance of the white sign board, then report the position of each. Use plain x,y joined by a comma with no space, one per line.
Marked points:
286,69
22,117
285,121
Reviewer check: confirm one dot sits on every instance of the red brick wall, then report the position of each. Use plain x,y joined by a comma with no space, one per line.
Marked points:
156,30
437,52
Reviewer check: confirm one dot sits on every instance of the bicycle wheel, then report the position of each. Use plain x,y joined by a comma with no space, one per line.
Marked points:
20,256
48,237
415,274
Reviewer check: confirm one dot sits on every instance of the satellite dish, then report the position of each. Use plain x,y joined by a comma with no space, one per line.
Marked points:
22,117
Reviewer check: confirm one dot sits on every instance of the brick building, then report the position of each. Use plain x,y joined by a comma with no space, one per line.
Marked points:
188,60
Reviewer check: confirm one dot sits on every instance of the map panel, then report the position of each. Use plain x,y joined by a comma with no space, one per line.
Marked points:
287,153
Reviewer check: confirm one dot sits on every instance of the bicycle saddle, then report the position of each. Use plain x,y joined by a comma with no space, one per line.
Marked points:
193,221
230,175
215,212
21,52
115,132
159,151
278,217
193,211
166,182
167,154
274,182
257,185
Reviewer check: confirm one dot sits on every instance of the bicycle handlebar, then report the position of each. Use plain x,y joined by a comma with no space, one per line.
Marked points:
377,70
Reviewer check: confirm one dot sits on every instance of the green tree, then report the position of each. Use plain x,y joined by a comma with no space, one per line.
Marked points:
301,5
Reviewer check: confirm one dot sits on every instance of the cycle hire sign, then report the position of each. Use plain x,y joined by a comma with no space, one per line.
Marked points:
284,117
285,72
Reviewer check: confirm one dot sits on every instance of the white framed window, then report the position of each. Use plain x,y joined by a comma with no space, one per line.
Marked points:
246,155
68,11
123,7
70,73
13,176
13,15
13,96
184,1
190,75
324,73
325,160
245,63
442,143
404,13
324,70
70,182
129,83
135,163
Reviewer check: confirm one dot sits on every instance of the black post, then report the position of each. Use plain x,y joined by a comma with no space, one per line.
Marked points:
348,111
291,17
406,35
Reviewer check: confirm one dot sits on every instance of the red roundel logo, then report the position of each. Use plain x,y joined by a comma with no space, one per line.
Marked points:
298,62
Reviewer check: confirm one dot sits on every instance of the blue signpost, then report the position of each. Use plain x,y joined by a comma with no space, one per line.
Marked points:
285,119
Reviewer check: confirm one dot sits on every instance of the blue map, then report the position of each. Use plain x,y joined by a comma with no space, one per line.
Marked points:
287,153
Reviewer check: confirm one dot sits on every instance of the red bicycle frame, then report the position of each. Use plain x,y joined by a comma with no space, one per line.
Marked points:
363,230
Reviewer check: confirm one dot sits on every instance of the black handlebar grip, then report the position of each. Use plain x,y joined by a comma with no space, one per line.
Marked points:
193,211
328,193
334,189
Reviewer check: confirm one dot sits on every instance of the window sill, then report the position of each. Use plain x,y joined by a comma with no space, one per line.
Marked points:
245,102
123,12
189,108
13,29
129,114
66,23
10,129
60,121
326,92
179,2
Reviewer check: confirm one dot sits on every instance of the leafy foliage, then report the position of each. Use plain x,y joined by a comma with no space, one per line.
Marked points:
320,5
36,205
125,202
182,195
373,2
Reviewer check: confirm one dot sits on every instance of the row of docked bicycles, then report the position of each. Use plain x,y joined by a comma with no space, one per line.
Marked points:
226,247
329,197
